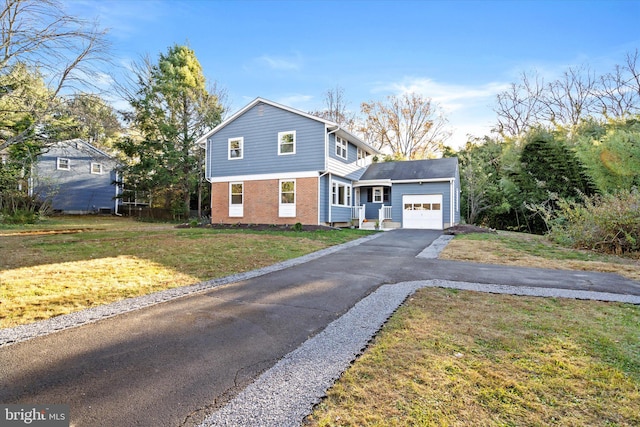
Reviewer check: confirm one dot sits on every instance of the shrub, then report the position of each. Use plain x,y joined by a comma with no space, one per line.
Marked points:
19,216
608,223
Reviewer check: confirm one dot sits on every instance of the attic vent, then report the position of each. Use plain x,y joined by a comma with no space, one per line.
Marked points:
261,110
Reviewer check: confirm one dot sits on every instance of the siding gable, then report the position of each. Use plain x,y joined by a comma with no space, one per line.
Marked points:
259,126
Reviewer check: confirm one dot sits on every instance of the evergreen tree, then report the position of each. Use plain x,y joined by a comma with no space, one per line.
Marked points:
171,110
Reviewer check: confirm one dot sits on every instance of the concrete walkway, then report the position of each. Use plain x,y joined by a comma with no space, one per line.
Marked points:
182,361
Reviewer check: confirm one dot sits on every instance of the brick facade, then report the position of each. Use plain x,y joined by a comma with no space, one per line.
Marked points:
261,202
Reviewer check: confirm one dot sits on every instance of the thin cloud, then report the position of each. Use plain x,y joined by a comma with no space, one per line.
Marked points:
450,97
281,63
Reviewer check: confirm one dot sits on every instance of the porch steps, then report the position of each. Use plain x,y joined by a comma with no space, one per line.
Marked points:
386,225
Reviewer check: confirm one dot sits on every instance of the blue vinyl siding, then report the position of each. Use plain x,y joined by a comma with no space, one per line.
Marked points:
398,190
77,189
325,194
259,126
340,213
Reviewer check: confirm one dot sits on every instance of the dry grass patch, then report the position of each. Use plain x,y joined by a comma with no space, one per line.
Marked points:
77,262
526,250
453,358
29,294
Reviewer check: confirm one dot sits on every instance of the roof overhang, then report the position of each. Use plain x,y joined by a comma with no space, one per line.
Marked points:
373,183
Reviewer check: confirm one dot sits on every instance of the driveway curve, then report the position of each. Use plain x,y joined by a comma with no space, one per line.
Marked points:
184,360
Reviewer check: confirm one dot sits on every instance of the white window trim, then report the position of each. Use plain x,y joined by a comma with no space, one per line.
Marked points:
373,196
100,169
280,191
280,135
287,210
236,209
343,145
335,194
241,139
63,168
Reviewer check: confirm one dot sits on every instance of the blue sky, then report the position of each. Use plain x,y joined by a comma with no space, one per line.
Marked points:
459,53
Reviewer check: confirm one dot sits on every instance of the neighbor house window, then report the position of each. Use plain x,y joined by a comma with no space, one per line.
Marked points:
236,199
64,164
341,147
341,194
96,168
287,206
287,142
236,148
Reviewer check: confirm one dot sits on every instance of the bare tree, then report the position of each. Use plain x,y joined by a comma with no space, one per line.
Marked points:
570,99
335,109
409,125
60,49
614,95
521,106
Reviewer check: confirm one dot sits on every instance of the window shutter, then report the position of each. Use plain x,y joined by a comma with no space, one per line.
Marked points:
385,195
369,195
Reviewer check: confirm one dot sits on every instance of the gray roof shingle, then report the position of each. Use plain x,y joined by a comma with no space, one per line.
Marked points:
412,170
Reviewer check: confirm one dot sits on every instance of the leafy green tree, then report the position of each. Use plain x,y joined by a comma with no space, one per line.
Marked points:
92,119
482,195
39,42
611,153
172,108
548,170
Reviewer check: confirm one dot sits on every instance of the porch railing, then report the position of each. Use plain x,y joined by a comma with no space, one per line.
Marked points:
357,212
384,213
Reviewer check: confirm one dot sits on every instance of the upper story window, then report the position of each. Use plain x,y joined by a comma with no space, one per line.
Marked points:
362,157
341,147
236,148
96,168
63,164
287,142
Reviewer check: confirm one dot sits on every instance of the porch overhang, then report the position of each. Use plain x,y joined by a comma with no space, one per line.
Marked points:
373,183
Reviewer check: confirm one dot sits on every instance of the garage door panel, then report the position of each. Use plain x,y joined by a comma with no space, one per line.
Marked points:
422,211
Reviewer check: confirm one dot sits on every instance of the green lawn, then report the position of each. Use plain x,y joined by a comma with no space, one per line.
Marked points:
70,263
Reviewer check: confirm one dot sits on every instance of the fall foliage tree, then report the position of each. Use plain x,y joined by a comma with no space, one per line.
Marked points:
409,125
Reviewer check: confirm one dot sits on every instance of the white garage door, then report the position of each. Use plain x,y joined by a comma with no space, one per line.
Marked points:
422,211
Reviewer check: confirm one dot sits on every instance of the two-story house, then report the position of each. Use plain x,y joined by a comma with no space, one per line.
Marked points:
271,164
77,178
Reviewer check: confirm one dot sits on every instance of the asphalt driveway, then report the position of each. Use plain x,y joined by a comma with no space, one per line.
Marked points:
173,363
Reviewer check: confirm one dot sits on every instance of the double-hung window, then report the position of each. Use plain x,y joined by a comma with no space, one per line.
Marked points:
341,194
287,142
96,168
236,199
287,206
236,148
63,164
362,157
341,147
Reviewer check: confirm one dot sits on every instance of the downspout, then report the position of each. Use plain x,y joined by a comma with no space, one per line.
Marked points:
452,200
319,197
326,167
116,200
